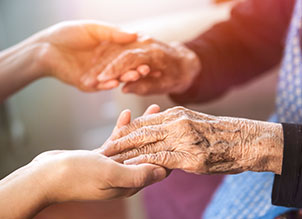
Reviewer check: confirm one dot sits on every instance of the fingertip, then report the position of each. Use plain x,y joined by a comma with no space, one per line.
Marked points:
103,77
108,85
155,107
126,89
144,70
159,173
129,76
124,118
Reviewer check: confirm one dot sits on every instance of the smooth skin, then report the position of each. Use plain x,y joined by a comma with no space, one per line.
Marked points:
79,175
75,52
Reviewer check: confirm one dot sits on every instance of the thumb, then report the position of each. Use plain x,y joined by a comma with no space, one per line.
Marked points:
109,33
137,176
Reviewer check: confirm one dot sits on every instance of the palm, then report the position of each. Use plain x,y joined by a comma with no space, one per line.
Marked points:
72,52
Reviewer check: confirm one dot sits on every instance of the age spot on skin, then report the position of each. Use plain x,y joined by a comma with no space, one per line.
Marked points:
204,142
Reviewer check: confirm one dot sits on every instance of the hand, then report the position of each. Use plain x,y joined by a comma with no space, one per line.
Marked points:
199,143
88,175
77,51
107,179
173,68
59,176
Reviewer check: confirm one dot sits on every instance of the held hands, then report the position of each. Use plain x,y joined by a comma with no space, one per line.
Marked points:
199,143
60,176
92,56
75,52
88,175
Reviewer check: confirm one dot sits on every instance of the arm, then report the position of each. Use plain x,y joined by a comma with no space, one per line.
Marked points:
73,52
19,67
60,176
240,49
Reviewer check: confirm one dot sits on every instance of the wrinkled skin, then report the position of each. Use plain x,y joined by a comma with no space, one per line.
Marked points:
173,67
199,143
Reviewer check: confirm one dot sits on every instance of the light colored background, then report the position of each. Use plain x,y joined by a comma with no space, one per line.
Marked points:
49,115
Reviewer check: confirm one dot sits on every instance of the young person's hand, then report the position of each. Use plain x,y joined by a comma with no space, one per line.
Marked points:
60,176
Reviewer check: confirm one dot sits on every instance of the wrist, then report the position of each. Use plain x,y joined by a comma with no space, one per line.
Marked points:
189,67
21,185
268,148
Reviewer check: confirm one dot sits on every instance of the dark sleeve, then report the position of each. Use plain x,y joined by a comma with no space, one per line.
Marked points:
239,49
287,187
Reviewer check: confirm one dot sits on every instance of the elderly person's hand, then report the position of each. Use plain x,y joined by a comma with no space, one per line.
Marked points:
173,68
199,143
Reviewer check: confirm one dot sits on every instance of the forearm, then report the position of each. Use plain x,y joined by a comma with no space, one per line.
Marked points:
19,66
245,145
21,194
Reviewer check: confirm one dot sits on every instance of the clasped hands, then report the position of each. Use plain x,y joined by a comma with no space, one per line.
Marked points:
93,56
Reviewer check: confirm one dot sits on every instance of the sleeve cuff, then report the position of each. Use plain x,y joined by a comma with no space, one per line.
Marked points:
287,187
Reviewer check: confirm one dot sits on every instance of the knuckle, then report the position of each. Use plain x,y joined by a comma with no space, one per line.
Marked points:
178,108
184,122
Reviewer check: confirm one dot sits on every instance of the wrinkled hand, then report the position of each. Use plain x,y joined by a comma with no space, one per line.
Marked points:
76,52
173,68
199,143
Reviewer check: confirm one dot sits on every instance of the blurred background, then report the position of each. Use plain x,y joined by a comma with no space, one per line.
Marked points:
50,115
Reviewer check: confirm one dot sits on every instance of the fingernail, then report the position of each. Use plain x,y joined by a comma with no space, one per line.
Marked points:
159,173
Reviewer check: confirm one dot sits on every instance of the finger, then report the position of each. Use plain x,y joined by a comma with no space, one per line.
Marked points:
124,118
136,176
88,81
147,149
108,85
130,76
143,86
126,61
156,74
103,32
136,139
143,69
167,159
154,108
140,122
